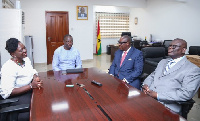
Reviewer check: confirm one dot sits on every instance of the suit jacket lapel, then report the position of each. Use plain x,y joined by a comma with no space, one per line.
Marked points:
130,52
177,66
120,57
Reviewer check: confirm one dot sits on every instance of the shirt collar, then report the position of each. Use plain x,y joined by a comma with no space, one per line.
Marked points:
178,59
127,50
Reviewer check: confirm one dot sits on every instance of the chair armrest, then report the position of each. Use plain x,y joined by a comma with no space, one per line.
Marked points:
6,101
191,101
22,107
186,107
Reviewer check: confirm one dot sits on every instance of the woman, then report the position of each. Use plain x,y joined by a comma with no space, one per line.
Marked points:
18,77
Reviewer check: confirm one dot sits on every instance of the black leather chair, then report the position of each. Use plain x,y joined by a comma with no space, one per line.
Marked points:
166,44
194,50
152,56
136,44
10,113
186,107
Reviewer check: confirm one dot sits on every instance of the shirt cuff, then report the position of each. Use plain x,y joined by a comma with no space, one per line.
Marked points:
157,97
125,80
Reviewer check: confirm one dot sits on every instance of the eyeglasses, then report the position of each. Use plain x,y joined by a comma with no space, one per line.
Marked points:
173,46
121,42
69,41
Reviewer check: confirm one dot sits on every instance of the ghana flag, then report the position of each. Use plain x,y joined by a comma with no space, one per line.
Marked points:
98,47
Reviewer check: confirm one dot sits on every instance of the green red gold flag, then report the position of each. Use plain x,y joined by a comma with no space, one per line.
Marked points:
98,47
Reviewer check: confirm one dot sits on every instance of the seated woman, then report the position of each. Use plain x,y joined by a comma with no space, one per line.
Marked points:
18,77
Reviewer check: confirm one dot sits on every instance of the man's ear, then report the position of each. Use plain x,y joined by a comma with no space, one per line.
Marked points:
184,50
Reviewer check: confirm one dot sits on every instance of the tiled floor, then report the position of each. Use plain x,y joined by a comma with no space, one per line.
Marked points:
103,62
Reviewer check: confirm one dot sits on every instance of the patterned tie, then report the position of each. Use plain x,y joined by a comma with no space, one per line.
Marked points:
169,64
123,57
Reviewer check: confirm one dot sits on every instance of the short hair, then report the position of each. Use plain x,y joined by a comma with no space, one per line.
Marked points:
68,35
128,38
12,45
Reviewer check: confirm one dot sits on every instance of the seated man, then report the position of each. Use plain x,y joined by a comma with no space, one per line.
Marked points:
175,79
65,56
128,63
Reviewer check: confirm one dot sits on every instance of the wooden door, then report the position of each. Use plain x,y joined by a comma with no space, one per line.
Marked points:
57,25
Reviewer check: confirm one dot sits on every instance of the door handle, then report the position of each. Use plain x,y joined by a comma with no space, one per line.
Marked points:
49,38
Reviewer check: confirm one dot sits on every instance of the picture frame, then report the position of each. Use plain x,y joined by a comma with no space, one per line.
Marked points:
82,12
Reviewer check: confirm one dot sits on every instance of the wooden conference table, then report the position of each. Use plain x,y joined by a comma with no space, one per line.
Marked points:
114,100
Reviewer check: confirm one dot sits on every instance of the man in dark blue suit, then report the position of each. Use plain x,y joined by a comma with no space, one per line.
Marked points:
128,63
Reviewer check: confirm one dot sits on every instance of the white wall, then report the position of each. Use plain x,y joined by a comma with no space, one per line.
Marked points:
10,27
82,31
168,20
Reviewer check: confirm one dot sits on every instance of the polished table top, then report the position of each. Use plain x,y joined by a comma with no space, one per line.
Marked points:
114,100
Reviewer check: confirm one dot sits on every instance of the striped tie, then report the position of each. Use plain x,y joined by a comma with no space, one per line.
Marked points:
169,64
123,57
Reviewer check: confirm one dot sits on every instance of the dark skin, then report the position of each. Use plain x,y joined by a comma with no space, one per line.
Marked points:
18,56
68,42
176,50
124,43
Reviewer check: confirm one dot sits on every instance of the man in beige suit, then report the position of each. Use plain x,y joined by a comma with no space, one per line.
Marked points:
175,79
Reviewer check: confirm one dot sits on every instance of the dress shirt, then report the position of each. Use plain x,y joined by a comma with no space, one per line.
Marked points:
66,59
126,51
15,76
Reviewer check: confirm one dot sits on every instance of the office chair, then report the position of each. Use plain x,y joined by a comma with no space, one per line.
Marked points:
152,56
166,44
126,33
186,106
10,113
137,44
194,50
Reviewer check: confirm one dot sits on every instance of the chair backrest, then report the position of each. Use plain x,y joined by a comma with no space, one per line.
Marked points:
153,53
166,43
136,44
126,33
194,50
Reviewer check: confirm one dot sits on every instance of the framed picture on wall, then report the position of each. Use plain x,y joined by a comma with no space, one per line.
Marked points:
82,12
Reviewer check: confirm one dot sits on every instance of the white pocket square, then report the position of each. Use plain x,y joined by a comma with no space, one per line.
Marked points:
129,59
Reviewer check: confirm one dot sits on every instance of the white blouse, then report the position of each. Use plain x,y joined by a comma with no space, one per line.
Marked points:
15,76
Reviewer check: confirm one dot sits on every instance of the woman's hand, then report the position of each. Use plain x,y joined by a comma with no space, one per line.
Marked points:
37,82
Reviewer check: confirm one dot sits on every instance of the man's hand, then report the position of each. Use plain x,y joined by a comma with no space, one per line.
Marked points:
145,88
152,94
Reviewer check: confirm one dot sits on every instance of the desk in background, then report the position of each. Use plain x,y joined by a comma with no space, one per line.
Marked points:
196,60
119,101
113,48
